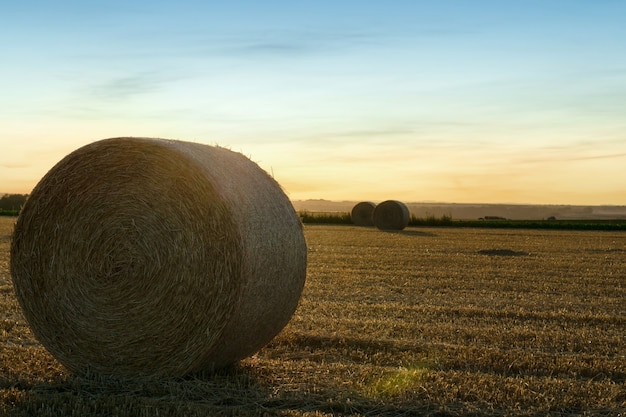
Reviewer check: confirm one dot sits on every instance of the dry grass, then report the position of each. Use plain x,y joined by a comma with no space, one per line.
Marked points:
447,322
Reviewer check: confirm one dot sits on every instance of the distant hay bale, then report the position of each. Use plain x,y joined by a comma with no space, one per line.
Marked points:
138,256
362,213
391,215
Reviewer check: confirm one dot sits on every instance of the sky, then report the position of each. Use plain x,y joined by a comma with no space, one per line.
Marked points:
517,101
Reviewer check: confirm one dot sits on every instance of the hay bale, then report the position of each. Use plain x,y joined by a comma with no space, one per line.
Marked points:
362,213
138,256
391,215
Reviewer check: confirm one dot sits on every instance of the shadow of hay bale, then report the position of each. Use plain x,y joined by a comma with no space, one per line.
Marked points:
411,233
502,252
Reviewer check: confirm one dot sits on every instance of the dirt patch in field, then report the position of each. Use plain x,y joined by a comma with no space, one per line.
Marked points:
502,252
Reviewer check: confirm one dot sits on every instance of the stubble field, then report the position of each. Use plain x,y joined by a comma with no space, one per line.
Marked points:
427,321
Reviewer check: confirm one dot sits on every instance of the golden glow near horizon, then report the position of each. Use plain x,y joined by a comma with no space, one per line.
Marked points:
352,101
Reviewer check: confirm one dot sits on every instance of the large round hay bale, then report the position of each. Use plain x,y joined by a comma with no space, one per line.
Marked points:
391,215
137,256
362,213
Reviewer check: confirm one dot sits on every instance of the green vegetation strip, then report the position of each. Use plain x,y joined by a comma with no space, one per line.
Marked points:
447,221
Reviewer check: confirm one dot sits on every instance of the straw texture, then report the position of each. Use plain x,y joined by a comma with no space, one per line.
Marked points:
362,213
138,256
391,215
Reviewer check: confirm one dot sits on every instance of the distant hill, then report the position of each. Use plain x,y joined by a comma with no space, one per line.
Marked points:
475,211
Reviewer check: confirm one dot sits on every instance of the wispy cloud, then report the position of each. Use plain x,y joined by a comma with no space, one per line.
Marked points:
126,86
140,44
601,156
15,165
291,43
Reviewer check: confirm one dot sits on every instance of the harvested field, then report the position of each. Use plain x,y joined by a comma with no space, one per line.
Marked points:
425,321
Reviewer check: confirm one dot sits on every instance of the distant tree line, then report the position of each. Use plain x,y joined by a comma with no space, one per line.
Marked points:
485,222
11,203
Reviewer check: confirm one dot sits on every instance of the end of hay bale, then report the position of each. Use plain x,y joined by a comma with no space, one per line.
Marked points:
391,215
362,213
138,256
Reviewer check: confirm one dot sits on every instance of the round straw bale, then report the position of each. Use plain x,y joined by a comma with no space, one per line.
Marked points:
391,215
362,212
138,256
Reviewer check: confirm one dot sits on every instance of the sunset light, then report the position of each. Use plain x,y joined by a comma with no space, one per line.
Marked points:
455,101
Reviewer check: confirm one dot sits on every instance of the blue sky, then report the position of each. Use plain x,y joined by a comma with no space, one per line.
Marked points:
459,101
